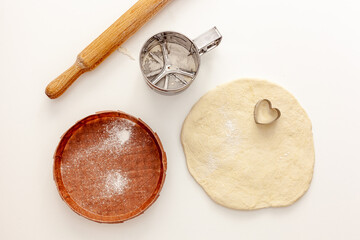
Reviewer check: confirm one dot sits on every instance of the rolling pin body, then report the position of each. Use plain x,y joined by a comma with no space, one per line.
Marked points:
111,39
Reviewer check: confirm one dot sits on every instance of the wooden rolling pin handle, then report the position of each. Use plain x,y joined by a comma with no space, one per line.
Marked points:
59,85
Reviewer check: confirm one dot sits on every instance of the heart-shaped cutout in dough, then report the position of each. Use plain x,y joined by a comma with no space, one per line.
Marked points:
264,113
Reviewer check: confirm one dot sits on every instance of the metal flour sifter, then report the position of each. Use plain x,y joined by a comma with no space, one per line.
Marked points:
170,61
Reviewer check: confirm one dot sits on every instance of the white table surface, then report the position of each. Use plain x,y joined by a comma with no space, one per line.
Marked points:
310,47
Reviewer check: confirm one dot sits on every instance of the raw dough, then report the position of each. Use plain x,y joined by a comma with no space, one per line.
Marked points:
241,164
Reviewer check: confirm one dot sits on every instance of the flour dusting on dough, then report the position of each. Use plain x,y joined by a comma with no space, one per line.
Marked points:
212,163
230,128
232,131
284,155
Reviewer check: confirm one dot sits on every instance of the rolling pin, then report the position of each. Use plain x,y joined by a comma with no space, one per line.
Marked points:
110,40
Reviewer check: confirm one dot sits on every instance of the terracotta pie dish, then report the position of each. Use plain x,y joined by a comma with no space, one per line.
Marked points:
109,167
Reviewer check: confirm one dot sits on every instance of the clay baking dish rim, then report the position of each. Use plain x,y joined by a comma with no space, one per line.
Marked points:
90,215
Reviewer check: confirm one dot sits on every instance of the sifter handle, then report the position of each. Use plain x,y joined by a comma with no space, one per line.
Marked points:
111,39
208,40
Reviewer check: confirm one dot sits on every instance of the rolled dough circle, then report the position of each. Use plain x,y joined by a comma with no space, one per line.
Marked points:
244,165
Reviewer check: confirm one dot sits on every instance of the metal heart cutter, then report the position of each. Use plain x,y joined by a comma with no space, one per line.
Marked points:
170,61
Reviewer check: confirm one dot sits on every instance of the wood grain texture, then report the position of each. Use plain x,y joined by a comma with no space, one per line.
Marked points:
111,39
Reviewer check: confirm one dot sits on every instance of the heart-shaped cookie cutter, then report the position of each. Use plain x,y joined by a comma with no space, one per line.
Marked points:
256,112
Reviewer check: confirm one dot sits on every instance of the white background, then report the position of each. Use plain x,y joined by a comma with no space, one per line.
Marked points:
310,47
